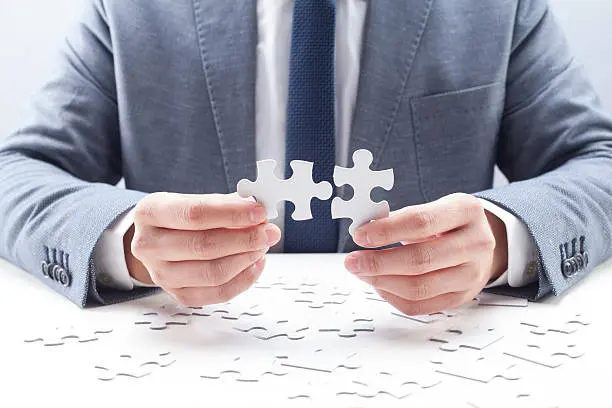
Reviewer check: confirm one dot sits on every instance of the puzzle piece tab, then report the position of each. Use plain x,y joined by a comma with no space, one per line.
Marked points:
476,337
244,369
132,366
290,330
300,189
165,316
347,324
548,350
565,325
483,369
322,361
360,208
59,336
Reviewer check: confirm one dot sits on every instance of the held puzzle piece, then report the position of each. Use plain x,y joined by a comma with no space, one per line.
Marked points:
132,366
360,208
59,336
300,189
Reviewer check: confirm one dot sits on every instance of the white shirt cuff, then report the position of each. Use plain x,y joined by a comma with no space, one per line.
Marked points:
109,256
522,255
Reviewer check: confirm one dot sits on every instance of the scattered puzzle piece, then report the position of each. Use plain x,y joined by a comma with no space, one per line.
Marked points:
398,384
346,324
300,189
490,299
319,299
322,361
59,336
251,369
165,316
482,369
131,366
476,337
282,328
360,208
549,350
427,319
320,393
543,324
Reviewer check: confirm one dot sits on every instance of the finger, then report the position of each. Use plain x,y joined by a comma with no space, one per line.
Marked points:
420,222
414,259
175,275
430,285
429,306
199,212
176,245
195,297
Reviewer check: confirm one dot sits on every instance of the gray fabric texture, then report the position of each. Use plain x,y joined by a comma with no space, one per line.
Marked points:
164,98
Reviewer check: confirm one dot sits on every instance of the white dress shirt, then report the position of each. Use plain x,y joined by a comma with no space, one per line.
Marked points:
272,83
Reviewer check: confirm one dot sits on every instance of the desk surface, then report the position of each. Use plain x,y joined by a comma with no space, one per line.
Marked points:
34,373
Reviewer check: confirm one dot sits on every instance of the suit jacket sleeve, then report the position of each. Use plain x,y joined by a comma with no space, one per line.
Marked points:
556,149
58,172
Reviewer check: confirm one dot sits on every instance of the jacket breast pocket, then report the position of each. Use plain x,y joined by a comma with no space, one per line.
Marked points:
456,137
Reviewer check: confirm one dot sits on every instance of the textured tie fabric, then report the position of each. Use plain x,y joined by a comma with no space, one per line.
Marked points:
310,119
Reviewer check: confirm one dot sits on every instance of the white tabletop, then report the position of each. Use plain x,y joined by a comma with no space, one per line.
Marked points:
32,374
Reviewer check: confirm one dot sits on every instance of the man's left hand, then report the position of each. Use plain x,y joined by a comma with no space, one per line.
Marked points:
451,248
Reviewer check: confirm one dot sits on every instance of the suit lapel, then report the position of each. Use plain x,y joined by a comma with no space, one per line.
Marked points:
392,37
227,35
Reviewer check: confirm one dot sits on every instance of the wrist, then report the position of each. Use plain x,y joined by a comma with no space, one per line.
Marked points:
499,264
136,268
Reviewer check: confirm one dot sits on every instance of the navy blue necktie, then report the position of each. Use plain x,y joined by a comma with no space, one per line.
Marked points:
310,119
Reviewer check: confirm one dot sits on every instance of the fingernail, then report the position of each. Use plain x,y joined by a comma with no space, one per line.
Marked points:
352,263
258,214
272,235
362,238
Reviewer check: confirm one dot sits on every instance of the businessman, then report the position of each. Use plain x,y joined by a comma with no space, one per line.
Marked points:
180,100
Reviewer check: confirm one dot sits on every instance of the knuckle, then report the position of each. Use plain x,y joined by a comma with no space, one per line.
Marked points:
224,293
214,274
195,213
255,238
201,244
374,264
423,257
141,244
420,290
144,210
424,221
471,205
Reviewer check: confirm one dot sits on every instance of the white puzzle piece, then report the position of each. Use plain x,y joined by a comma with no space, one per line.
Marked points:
490,299
244,369
300,189
397,383
323,361
483,369
550,350
426,319
475,337
346,324
60,336
360,208
511,394
132,366
566,325
289,329
165,316
320,393
318,299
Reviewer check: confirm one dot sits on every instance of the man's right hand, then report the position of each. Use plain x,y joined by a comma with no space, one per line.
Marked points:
201,249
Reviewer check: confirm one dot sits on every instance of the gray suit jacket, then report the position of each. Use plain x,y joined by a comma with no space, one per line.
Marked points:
163,95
